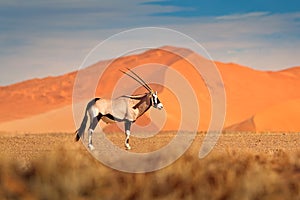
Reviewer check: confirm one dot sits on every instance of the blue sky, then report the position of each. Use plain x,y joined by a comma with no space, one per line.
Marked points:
192,8
48,38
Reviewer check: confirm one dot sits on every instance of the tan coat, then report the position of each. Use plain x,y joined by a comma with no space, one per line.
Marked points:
123,108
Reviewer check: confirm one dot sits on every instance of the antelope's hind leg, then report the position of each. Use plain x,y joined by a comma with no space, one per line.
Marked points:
93,124
127,133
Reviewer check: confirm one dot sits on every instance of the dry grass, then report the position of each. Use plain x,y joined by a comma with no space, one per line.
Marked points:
231,174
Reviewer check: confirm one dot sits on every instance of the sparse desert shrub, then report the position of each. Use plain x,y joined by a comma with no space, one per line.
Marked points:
74,174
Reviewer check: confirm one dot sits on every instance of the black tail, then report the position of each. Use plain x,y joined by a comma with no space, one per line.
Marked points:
80,132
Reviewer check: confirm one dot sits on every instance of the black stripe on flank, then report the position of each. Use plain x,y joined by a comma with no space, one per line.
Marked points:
113,118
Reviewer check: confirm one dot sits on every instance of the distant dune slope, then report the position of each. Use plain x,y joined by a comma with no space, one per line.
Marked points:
283,117
256,100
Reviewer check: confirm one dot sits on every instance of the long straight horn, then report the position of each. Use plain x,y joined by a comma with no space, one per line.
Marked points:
149,88
138,80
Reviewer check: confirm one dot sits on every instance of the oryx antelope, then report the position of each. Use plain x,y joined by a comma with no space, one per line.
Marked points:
125,109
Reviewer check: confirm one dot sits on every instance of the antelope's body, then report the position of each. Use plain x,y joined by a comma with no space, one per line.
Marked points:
125,109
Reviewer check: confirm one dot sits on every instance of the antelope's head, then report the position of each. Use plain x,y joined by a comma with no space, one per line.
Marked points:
154,98
155,101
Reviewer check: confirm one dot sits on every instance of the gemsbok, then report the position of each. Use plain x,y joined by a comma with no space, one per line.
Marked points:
127,109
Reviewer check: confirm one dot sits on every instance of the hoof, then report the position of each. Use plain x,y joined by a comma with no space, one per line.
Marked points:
127,147
91,147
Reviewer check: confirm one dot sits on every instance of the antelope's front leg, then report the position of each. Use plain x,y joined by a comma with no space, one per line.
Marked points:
127,133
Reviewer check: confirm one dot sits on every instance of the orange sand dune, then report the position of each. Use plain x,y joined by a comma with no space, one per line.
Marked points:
253,97
57,120
283,117
35,96
250,91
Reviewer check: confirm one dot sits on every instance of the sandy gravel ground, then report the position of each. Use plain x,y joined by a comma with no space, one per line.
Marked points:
28,146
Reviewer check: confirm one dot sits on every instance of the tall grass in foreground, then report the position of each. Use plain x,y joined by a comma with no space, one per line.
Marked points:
230,175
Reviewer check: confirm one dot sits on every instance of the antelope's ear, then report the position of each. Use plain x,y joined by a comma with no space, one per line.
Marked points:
155,92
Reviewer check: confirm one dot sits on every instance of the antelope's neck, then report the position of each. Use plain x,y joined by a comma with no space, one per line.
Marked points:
144,105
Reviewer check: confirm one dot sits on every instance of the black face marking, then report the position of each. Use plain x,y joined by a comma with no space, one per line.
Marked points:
158,101
154,99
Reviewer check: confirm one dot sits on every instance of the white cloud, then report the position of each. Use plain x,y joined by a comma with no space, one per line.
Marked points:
243,16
